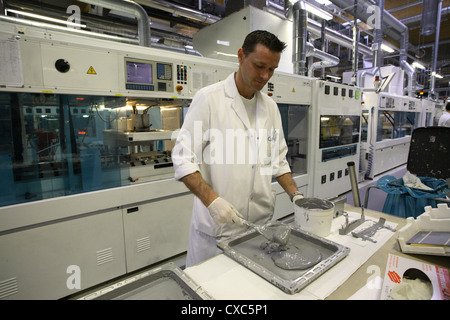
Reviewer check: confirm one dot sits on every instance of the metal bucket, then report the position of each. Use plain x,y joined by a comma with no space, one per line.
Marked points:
314,215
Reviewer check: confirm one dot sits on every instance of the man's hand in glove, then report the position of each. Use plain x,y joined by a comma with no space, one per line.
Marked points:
223,212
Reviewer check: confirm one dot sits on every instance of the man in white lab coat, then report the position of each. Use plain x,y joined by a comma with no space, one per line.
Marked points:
444,120
230,147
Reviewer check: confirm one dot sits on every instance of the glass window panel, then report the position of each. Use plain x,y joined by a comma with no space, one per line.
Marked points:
338,130
56,145
396,124
295,129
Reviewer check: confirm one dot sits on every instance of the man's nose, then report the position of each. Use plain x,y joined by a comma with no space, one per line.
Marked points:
265,74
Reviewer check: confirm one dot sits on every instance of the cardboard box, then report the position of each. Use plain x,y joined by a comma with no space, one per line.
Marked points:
403,276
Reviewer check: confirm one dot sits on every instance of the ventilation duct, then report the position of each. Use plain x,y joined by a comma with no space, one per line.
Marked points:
429,14
327,60
179,10
302,49
299,38
133,8
391,27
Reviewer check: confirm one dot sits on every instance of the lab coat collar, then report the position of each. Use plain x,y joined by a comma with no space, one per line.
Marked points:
237,105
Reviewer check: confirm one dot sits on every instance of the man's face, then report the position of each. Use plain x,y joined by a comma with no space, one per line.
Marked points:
257,67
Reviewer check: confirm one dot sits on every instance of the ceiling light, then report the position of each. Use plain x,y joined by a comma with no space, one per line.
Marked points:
324,2
345,24
418,65
436,75
386,48
37,16
318,12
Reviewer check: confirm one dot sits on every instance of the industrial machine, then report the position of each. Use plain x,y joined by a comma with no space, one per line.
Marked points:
87,178
388,122
428,113
87,129
336,136
439,108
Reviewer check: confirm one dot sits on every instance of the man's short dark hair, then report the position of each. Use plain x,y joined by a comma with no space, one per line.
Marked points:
447,106
266,38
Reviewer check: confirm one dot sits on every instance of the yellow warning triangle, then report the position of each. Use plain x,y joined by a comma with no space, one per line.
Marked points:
91,70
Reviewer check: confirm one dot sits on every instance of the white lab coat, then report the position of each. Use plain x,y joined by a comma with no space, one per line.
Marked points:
444,120
204,144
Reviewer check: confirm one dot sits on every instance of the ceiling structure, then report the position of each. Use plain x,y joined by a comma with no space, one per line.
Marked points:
174,23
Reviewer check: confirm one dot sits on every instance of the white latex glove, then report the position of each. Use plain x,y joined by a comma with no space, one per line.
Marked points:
223,212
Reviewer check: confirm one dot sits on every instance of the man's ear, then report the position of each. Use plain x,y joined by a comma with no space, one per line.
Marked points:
241,55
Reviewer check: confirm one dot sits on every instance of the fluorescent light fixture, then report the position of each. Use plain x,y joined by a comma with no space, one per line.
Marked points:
333,77
37,16
345,24
418,65
386,48
436,75
223,43
318,12
225,54
324,2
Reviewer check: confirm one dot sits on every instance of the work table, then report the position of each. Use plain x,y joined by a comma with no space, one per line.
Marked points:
359,278
224,278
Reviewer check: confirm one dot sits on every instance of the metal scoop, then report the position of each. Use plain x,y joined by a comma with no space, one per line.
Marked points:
277,233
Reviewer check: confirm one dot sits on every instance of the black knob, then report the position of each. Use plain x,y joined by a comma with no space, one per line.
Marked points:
62,65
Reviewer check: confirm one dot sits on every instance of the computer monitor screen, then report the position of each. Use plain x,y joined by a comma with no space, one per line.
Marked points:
139,73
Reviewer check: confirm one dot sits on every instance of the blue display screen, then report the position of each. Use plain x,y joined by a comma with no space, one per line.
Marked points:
140,73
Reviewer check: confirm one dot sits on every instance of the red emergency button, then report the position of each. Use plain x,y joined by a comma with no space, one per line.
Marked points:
179,88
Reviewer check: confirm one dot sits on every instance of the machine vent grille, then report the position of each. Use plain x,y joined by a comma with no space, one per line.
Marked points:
143,244
104,256
8,288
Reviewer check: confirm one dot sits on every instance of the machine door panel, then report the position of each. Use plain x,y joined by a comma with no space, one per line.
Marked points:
156,230
59,259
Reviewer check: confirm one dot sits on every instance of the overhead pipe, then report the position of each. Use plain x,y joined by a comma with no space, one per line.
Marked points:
133,8
303,49
409,70
435,49
355,46
179,10
337,38
327,60
371,72
428,19
378,36
411,75
316,28
377,60
299,36
392,27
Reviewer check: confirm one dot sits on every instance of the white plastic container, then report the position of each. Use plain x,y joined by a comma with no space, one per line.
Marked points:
314,215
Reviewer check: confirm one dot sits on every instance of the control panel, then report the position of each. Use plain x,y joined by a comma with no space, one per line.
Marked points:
146,75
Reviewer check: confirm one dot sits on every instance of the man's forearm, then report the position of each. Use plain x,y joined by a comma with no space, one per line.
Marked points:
199,187
287,183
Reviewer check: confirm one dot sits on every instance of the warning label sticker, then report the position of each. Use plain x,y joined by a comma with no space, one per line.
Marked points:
91,70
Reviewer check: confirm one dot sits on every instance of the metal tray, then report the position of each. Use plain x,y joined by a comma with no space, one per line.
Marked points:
246,250
167,282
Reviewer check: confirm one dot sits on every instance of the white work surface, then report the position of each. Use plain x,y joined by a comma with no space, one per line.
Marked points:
225,279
